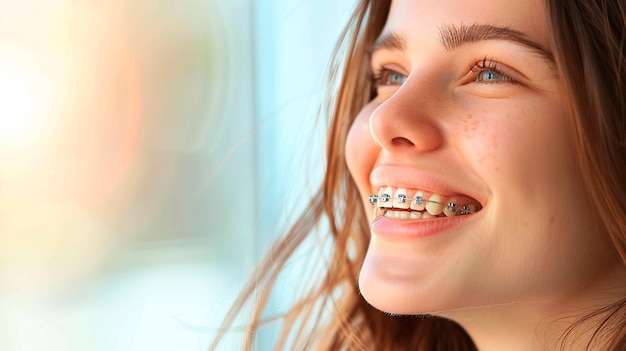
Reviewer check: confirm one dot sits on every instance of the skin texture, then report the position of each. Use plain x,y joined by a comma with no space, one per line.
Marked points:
534,253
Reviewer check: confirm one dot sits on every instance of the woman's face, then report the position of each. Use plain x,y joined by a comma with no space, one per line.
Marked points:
469,113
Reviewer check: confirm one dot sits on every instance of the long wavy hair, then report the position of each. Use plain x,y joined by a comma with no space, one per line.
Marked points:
589,45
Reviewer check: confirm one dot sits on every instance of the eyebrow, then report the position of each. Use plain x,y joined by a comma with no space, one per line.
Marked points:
453,37
389,41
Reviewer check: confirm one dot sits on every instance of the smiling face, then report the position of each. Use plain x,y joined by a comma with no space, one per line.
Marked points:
469,112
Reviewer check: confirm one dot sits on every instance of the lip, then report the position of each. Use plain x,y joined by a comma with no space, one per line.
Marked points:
404,229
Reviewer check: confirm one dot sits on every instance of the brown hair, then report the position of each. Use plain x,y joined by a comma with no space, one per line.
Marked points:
589,46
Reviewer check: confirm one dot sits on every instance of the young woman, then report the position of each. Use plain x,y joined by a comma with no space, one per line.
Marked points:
476,182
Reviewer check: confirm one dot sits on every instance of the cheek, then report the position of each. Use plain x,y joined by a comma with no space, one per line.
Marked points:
361,151
525,157
520,143
477,142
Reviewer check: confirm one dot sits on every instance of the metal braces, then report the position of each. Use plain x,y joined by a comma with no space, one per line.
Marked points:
374,198
419,200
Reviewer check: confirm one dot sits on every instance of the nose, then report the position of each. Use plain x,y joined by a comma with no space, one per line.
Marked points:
405,122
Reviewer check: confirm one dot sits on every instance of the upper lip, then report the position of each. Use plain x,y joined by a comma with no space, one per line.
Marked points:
419,179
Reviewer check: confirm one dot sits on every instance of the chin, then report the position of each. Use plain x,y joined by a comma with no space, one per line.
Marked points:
399,293
395,295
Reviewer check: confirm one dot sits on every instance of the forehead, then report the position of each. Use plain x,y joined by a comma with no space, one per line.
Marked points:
424,18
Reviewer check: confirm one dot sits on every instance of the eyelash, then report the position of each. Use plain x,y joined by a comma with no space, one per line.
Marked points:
379,76
487,65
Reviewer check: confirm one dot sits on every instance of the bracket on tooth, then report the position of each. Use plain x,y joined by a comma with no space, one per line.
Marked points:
401,198
465,210
373,199
385,198
419,200
451,207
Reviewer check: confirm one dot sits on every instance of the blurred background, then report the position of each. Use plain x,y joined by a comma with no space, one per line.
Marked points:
149,151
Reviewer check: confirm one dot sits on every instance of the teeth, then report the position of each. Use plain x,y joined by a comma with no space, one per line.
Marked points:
427,215
401,200
388,200
418,202
415,215
400,214
451,208
385,199
395,214
434,205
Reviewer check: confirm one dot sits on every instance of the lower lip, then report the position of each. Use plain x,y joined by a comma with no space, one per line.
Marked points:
405,229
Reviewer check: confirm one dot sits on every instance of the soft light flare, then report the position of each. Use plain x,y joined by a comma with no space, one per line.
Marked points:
22,98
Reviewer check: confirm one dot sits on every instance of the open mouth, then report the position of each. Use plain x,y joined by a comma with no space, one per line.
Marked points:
401,203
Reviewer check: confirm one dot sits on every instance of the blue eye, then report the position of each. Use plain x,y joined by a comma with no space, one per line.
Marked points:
491,76
386,77
394,78
487,71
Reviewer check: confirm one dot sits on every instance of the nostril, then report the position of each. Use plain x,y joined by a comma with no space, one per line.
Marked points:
401,141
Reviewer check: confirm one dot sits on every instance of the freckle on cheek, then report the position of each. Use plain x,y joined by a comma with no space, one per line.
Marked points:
469,126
